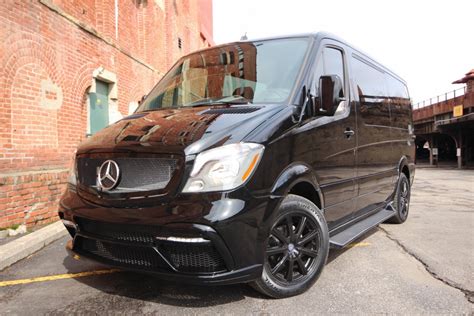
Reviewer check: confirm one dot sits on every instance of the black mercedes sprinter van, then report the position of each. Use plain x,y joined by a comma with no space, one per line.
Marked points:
247,162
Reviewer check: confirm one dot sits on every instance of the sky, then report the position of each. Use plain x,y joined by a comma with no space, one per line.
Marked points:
430,44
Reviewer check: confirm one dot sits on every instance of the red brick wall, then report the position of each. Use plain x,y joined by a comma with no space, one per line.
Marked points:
205,20
48,52
30,198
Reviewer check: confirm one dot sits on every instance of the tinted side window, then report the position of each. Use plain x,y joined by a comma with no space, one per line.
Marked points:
371,88
400,104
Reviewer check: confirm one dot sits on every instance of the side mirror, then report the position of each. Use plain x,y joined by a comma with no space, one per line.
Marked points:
330,94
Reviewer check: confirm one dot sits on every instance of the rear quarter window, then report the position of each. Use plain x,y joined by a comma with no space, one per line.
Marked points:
384,99
400,105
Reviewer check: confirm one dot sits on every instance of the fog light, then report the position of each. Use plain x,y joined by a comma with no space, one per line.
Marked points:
183,239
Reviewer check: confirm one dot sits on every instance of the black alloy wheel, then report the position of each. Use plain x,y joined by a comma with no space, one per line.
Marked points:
293,246
404,199
296,249
401,200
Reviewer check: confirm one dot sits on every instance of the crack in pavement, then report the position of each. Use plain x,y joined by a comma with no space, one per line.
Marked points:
467,293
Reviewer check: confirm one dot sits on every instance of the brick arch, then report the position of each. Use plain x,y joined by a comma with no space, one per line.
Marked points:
25,51
81,81
28,118
79,88
23,48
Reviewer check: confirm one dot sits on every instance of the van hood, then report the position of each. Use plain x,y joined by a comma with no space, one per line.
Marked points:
180,130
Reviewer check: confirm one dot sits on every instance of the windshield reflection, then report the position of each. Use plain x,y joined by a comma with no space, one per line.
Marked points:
241,73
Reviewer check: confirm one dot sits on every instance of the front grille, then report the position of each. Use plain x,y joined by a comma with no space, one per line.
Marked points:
121,255
136,174
129,233
193,257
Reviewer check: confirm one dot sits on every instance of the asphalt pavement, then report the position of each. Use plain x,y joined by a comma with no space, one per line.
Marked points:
423,266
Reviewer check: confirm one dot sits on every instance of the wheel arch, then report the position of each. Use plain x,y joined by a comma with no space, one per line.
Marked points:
299,179
403,167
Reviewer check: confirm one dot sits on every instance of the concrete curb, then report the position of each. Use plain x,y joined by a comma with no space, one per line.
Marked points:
24,246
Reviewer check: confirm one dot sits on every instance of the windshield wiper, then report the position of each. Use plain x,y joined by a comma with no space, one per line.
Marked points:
217,101
205,101
230,100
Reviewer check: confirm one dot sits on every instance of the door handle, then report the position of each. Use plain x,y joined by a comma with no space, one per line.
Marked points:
349,132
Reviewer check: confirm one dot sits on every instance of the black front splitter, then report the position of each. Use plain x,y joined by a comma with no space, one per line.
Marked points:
243,275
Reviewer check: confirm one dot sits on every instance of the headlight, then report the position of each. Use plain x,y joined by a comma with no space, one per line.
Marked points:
223,168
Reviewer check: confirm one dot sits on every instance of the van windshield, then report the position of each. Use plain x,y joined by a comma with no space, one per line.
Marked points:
240,73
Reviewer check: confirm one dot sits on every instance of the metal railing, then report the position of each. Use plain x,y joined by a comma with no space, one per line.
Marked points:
441,98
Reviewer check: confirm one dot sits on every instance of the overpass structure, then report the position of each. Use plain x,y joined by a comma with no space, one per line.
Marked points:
444,126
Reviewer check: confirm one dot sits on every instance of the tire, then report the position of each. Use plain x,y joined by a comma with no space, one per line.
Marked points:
401,200
303,252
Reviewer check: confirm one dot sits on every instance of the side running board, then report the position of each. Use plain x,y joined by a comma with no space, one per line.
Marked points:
345,237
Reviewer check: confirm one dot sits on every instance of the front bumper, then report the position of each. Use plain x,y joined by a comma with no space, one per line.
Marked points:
203,239
236,276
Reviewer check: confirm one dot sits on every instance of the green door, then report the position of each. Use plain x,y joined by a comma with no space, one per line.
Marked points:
99,106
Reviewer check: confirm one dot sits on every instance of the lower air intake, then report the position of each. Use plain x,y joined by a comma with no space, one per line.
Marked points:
193,257
121,255
127,233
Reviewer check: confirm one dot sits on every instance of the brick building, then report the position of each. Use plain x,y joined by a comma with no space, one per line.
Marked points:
69,68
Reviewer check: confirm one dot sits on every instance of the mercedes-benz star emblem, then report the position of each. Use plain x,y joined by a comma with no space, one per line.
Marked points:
108,175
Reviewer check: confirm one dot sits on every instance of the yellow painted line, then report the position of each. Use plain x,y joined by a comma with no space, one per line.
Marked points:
358,244
58,277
